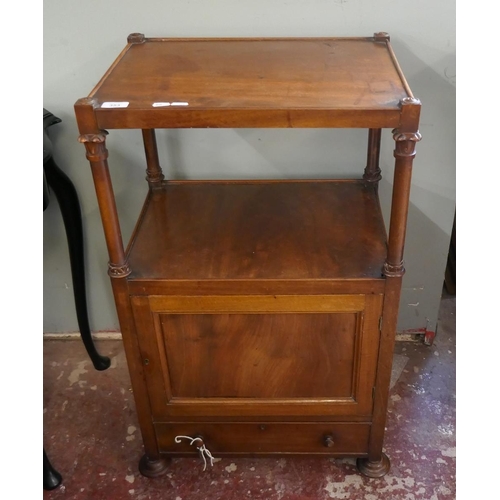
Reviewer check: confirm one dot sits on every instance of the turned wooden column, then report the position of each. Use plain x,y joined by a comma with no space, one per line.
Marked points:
372,171
97,155
405,136
404,154
94,139
154,174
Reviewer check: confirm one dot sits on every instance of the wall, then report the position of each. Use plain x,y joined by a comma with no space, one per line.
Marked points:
82,40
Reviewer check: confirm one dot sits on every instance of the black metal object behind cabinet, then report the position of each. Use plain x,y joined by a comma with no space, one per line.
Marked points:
57,182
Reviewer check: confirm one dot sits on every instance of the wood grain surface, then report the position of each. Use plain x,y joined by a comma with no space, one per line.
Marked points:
260,230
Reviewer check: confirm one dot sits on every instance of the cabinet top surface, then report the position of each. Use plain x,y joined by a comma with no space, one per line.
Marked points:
160,75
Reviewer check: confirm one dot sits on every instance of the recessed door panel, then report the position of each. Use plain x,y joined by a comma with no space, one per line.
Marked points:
260,355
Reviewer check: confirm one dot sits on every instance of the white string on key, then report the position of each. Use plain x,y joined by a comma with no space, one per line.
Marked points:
202,449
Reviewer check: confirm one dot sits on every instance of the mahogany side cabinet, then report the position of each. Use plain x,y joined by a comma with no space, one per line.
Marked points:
258,316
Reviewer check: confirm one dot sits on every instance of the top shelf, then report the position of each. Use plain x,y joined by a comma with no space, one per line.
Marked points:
271,82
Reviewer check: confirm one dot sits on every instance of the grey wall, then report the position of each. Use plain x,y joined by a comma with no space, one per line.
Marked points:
81,40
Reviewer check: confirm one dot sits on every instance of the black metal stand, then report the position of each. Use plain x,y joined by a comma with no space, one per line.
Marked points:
60,184
67,198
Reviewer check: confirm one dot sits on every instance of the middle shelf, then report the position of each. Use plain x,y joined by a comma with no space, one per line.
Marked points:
259,230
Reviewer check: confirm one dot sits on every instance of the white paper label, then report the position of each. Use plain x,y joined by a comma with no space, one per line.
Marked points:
114,104
160,104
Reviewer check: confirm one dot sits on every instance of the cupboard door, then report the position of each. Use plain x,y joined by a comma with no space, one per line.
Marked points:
259,355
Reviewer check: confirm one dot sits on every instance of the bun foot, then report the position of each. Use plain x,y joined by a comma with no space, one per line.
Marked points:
374,469
152,468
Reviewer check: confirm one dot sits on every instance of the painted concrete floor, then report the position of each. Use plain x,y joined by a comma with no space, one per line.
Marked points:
91,436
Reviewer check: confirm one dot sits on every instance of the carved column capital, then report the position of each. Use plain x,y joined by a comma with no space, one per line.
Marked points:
394,270
100,137
118,271
95,144
405,142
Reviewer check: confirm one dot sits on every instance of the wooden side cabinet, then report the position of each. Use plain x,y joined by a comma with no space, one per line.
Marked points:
258,317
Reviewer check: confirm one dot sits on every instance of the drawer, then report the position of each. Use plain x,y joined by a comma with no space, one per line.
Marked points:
266,438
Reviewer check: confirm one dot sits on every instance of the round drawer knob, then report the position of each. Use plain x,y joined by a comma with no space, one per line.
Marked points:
328,441
199,441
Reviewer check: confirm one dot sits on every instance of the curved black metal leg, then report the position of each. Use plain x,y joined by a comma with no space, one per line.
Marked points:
51,478
67,198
